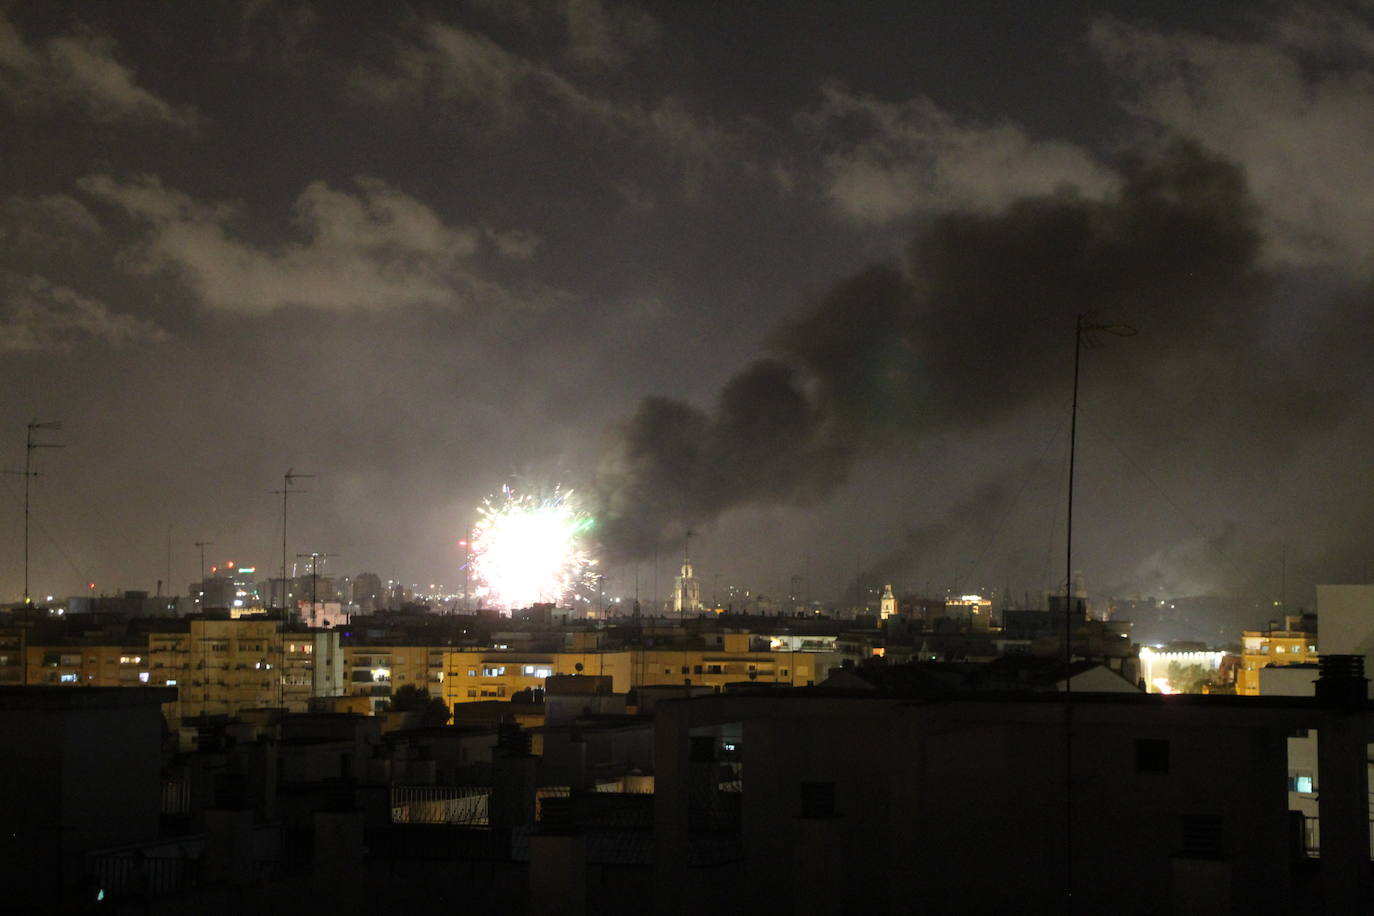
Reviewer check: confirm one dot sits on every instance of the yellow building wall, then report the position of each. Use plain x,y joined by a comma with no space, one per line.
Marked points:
85,666
220,667
472,675
1261,650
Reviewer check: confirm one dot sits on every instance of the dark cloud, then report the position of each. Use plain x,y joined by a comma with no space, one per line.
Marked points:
417,250
957,337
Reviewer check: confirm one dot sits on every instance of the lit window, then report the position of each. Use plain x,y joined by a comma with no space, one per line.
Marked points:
493,671
472,672
143,677
1279,649
1300,784
68,678
171,682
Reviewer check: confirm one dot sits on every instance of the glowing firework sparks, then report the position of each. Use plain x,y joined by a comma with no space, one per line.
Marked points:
528,549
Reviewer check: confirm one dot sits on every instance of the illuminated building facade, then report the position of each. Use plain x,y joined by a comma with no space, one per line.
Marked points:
1295,644
87,665
377,671
974,611
219,666
473,675
686,590
887,604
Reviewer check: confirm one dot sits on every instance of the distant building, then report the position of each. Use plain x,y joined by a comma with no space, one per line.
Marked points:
887,604
367,592
686,590
1293,644
229,587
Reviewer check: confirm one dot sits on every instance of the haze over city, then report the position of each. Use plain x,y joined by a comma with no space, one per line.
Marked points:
800,280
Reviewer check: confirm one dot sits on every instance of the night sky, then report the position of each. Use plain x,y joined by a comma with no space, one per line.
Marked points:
800,277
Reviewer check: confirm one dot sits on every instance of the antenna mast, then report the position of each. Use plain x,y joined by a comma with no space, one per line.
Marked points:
286,492
29,473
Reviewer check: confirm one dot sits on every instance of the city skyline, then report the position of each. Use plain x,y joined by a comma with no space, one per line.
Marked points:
802,283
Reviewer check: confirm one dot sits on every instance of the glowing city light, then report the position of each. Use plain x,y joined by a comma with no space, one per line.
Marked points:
528,549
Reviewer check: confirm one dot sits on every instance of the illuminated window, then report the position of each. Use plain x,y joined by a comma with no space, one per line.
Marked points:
537,671
171,682
493,671
68,678
472,672
1279,649
143,677
1300,783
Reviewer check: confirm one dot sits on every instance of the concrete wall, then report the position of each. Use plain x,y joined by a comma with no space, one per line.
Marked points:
80,771
960,807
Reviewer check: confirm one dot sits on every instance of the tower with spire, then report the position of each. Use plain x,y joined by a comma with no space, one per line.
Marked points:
887,606
686,588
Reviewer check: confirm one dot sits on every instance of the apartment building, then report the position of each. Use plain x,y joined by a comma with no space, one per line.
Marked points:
377,671
1294,644
474,675
87,665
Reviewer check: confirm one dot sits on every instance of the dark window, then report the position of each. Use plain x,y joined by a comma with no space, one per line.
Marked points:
1203,836
818,799
696,669
1151,755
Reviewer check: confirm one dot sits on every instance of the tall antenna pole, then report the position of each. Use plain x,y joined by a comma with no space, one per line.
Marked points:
169,559
202,545
29,473
1283,584
204,634
1083,330
286,492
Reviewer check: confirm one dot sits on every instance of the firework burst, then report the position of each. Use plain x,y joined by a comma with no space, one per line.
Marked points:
529,549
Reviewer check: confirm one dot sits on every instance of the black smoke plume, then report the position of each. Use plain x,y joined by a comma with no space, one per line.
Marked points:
974,324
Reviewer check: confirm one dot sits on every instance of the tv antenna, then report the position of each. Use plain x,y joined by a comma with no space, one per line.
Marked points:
287,491
29,473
